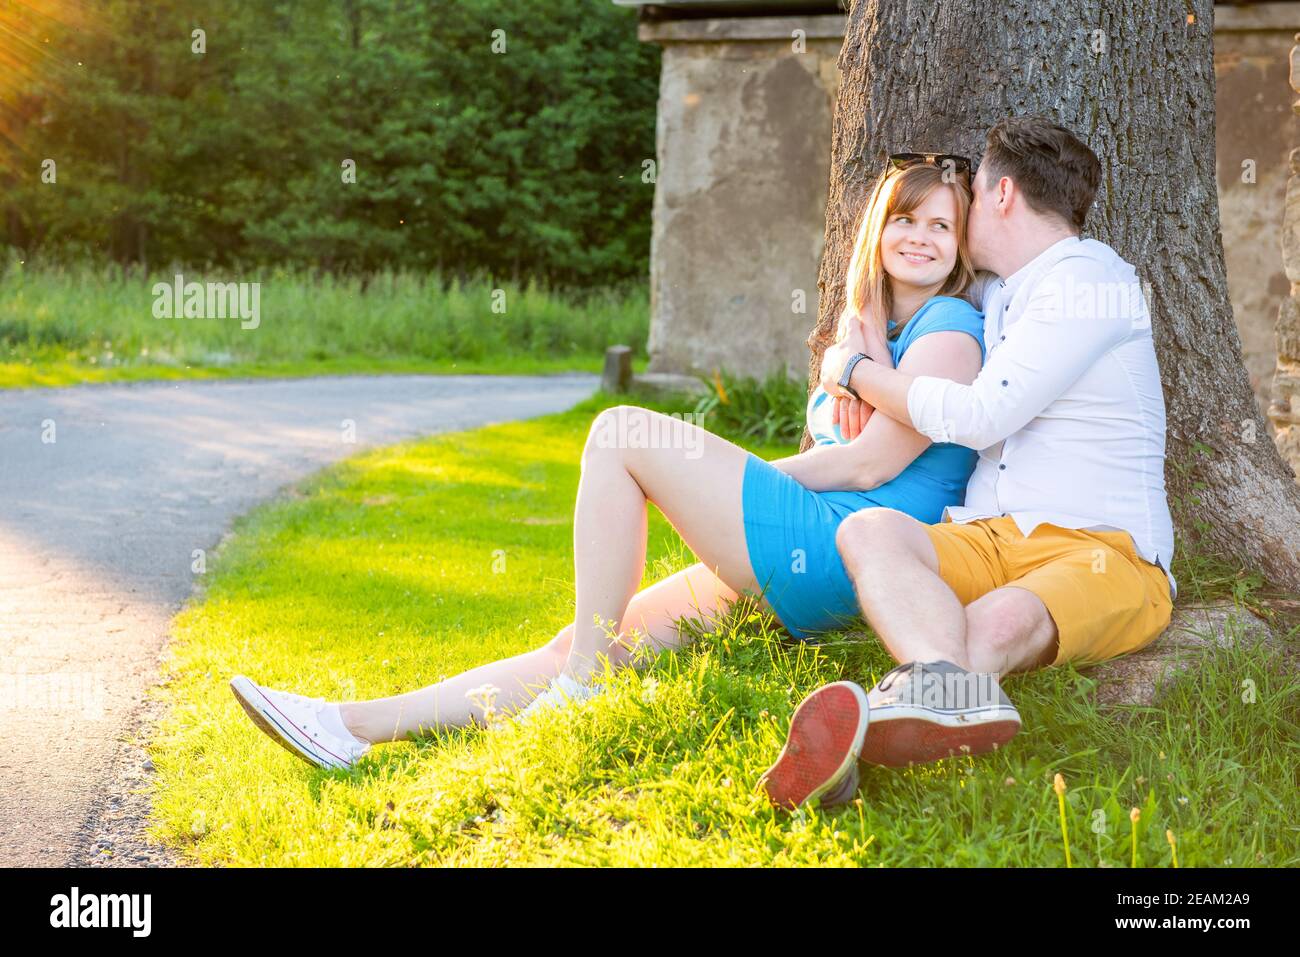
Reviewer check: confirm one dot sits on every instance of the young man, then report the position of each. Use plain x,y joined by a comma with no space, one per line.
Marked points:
1062,550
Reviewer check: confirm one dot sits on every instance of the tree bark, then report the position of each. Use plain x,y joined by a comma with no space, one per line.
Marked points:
1135,80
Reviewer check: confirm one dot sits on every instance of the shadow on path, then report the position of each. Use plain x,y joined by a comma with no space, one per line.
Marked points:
98,534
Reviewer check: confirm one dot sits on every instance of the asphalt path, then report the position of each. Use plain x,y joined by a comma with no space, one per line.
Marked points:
109,495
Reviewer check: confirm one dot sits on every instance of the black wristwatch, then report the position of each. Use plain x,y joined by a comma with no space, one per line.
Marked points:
848,373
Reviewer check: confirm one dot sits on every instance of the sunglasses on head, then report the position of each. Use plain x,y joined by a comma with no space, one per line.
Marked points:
958,164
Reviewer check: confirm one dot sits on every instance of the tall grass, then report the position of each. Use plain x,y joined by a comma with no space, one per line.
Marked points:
100,318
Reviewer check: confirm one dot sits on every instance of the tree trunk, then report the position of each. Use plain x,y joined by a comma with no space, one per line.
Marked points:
1135,80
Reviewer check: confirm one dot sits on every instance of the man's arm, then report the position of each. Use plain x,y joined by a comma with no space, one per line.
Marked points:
884,389
1071,322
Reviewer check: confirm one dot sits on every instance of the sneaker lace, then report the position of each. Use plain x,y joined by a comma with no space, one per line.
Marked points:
887,681
302,700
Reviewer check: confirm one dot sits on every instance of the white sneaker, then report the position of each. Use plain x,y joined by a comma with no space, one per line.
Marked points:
562,692
293,721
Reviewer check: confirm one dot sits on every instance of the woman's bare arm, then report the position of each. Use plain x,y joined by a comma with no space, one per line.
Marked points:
885,446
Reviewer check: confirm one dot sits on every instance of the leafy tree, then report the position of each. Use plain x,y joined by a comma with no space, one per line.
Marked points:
519,160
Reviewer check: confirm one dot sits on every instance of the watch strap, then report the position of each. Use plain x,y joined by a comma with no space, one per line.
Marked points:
848,373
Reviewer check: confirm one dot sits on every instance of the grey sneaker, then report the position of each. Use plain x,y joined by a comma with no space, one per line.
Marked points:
927,711
845,791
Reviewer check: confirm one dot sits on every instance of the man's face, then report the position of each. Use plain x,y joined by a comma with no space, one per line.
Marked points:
981,220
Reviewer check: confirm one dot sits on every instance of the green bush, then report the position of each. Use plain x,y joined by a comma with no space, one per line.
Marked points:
770,410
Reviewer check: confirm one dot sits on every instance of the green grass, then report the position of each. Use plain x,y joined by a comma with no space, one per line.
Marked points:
60,326
16,375
376,577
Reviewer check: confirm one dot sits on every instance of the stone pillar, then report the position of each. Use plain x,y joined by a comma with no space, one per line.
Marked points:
1285,408
744,140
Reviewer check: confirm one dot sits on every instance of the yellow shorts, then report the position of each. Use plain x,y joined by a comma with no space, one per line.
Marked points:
1106,600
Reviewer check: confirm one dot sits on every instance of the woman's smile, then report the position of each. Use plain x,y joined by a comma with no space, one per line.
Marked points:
919,246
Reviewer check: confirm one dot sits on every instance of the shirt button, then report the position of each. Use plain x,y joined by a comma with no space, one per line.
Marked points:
1002,468
1003,339
1004,381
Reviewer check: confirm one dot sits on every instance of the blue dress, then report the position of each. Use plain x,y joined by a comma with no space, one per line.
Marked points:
790,530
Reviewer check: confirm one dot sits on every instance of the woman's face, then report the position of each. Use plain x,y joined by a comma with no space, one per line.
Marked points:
920,248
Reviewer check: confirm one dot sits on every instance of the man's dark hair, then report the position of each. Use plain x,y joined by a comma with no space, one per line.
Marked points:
1055,170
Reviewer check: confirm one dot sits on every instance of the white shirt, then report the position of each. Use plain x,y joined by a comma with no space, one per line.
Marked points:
1067,413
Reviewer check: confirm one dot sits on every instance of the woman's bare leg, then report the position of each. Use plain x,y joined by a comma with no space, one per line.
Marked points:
632,456
651,618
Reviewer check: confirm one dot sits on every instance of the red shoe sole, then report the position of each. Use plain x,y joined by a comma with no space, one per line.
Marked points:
898,742
826,734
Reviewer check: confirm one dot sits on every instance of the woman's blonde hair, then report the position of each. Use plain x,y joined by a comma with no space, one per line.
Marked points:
900,191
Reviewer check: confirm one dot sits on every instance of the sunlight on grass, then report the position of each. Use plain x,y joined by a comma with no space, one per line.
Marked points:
376,577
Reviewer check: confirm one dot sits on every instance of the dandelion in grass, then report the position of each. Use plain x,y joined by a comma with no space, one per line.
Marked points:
1173,845
485,697
1058,785
1133,816
649,685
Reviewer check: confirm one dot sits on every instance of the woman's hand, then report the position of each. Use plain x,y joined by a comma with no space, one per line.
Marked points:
852,339
876,345
852,415
857,336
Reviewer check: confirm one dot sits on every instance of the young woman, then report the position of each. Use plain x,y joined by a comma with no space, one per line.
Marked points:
758,527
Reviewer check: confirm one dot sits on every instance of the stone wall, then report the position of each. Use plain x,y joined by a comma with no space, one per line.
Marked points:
744,142
1254,126
1285,408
